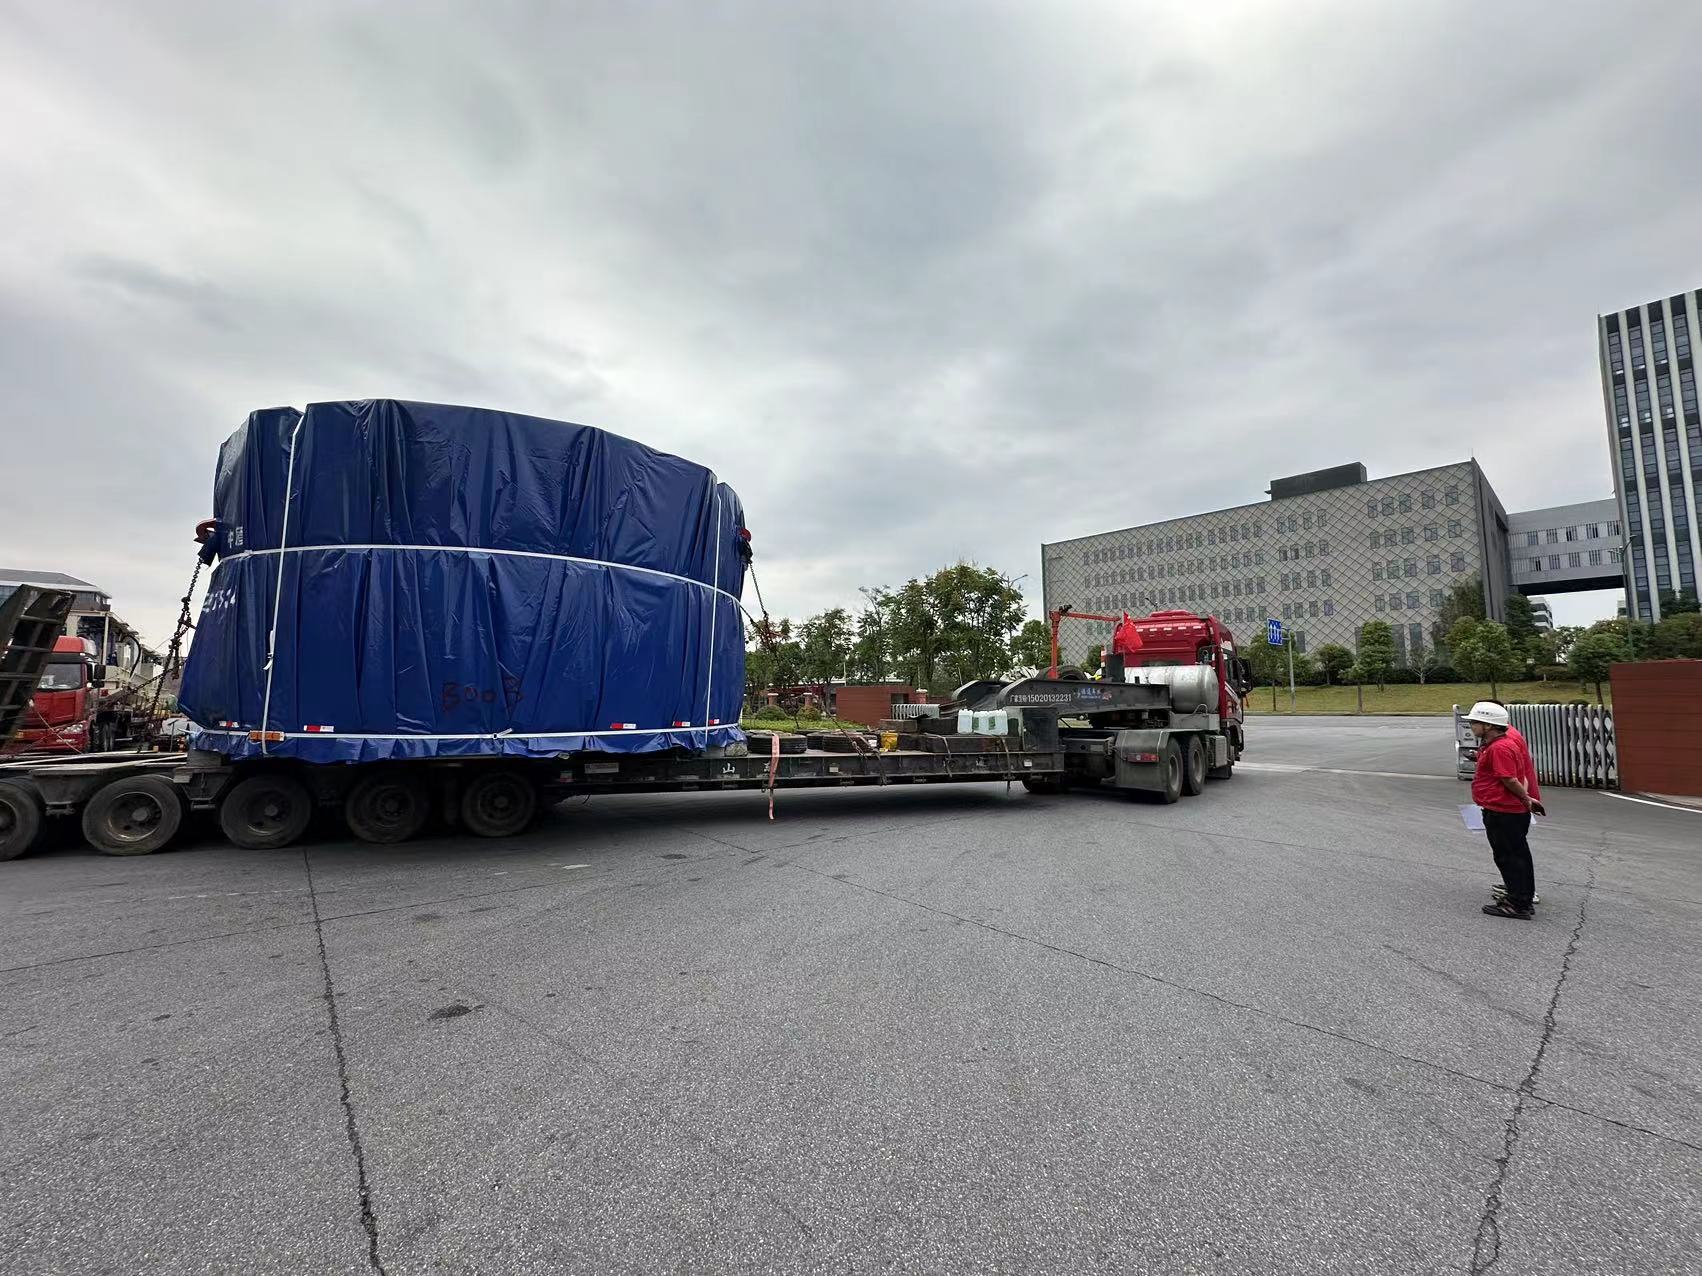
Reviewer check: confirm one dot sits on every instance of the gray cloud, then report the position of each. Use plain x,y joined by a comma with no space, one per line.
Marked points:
920,280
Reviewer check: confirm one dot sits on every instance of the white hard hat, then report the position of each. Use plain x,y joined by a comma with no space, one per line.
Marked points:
1489,713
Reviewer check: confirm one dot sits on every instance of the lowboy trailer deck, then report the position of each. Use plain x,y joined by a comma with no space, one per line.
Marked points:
1062,734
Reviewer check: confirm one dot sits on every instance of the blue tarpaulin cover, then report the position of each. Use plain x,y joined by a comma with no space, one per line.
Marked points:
437,581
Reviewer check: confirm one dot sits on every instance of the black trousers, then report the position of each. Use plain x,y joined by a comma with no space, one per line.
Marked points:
1509,833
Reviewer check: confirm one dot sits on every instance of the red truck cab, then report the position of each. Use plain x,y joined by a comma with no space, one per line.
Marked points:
62,713
1182,638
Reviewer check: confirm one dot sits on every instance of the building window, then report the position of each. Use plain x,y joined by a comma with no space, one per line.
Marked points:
1536,564
1311,550
1306,521
1388,505
1406,503
1436,598
1427,499
1613,528
1453,527
1312,608
1408,535
1374,540
1574,560
1554,562
1371,508
1381,604
1458,562
1687,388
1451,496
1324,577
1658,339
1410,566
1433,566
1531,538
1389,538
1394,602
1637,349
1282,553
1553,535
1288,611
1571,533
1432,532
1323,517
1329,607
1680,334
1377,571
1323,549
1311,580
1595,558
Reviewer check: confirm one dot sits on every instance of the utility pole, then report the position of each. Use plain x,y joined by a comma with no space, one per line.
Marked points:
1290,645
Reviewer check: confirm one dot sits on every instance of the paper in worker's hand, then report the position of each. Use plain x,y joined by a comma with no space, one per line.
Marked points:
1472,818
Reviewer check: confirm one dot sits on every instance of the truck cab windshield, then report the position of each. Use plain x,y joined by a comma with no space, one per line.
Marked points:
62,675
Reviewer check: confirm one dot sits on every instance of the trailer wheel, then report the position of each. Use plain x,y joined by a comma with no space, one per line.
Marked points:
387,808
1194,773
498,803
20,821
1174,767
265,812
136,815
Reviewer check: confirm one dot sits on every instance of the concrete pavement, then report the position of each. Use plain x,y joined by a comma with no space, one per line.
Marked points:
950,1029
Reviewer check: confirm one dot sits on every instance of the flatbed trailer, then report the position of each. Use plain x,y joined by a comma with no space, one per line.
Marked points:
1063,734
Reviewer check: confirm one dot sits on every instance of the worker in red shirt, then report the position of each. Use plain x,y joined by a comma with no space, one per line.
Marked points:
1499,891
1499,789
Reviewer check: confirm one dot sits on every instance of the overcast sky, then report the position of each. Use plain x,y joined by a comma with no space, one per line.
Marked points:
921,280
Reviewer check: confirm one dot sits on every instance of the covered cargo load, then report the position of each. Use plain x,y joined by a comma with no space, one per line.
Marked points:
405,580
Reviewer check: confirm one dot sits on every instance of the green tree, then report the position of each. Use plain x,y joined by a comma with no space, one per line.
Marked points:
1521,619
1376,652
826,642
1032,648
1594,655
773,658
1676,637
871,653
1335,660
1095,658
953,626
1683,603
1463,602
1269,665
1483,651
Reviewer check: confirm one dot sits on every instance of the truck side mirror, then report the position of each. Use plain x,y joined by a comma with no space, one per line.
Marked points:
97,675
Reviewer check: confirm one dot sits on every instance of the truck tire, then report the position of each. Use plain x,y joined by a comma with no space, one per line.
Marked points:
1042,784
498,803
387,807
20,821
1174,767
135,815
1194,772
265,812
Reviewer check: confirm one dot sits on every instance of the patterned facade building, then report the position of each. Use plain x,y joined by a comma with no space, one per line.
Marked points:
1326,553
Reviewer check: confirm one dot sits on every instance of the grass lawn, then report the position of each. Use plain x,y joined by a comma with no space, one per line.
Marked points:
1436,699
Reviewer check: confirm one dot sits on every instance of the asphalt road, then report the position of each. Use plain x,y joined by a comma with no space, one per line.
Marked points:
925,1030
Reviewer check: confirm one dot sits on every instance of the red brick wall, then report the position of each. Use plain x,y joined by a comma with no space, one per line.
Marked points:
1657,726
869,704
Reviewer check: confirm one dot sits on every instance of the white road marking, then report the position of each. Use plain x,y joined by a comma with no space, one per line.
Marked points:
570,866
1288,768
1665,806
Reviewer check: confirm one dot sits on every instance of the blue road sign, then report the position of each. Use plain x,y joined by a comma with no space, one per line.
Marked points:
1273,632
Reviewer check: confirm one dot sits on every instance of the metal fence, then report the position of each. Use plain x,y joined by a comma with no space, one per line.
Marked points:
1571,744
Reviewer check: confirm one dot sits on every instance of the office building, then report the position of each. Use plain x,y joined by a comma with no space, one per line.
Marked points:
1655,437
1542,615
1332,549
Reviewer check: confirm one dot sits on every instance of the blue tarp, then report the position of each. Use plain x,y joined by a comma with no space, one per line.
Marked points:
454,581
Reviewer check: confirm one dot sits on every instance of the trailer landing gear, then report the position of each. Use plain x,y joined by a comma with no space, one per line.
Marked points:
266,812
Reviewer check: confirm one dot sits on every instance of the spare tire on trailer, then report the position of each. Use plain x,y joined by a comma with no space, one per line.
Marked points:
265,812
133,815
20,819
390,805
498,802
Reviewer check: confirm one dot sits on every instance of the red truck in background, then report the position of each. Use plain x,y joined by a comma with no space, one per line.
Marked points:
74,709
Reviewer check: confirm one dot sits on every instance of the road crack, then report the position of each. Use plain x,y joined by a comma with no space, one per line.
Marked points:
1486,1245
368,1219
